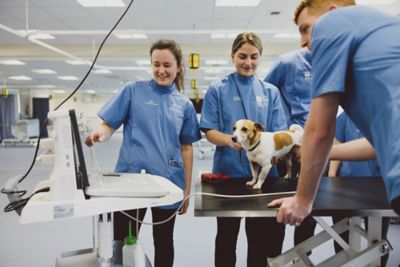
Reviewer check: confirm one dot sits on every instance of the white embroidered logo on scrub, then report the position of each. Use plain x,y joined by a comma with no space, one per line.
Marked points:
307,74
176,108
236,98
151,103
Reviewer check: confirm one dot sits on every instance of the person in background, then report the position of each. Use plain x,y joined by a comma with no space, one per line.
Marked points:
356,65
346,131
160,126
237,96
292,75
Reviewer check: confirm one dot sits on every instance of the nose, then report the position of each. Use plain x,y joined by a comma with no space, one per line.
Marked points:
234,139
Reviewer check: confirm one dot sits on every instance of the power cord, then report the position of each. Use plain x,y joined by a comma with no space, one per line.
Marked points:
20,203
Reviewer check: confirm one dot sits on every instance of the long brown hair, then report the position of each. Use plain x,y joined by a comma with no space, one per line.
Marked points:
176,50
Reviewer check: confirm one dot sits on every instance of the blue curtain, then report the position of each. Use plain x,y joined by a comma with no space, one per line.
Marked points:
7,115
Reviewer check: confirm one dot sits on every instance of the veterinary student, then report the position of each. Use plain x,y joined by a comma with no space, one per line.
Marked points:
355,65
237,96
347,131
160,126
291,74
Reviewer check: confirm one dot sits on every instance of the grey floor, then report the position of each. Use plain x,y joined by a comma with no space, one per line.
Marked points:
39,244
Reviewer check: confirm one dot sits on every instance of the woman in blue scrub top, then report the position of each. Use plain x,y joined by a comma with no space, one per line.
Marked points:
160,126
237,96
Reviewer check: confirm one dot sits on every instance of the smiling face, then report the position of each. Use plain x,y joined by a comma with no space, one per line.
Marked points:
246,59
164,66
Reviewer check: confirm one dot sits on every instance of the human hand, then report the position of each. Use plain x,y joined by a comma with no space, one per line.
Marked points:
101,134
291,210
185,205
229,142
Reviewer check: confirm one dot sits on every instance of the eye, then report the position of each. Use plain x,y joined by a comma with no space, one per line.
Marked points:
244,130
234,128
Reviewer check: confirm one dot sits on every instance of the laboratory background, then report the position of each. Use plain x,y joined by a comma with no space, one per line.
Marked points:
46,50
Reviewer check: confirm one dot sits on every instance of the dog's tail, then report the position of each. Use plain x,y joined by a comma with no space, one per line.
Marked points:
298,132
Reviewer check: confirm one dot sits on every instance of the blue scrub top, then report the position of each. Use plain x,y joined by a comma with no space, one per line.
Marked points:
347,131
157,120
233,98
361,60
292,74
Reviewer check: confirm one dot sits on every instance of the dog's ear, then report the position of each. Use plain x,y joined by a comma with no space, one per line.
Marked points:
258,126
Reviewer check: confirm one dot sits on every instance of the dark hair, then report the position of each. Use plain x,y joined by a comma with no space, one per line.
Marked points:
177,52
247,37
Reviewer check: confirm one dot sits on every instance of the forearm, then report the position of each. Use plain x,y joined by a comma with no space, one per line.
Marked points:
187,157
357,150
314,156
217,138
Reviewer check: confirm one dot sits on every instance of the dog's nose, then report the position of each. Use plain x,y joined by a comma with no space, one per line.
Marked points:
234,139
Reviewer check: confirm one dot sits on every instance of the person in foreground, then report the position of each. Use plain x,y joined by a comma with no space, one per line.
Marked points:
356,61
160,126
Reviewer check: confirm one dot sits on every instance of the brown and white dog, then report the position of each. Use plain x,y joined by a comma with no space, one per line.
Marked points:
264,148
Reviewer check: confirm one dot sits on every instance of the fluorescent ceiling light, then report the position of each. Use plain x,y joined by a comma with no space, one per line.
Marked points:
287,35
209,78
237,3
44,86
68,78
101,71
375,2
20,78
90,91
127,36
223,35
42,36
212,70
12,62
75,62
58,91
101,3
216,62
143,62
44,71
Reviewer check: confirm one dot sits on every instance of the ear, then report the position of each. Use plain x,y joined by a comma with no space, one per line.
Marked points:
332,7
258,126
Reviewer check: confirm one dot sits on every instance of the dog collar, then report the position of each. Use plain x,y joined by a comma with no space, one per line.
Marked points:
256,145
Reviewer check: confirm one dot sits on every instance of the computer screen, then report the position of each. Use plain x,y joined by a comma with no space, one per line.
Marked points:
82,180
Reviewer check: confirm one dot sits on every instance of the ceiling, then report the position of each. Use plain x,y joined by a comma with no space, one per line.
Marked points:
78,32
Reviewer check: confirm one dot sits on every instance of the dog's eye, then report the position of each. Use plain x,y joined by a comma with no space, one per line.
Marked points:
234,128
244,130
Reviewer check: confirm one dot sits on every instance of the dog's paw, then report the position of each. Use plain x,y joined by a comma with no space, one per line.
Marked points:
286,177
250,183
257,186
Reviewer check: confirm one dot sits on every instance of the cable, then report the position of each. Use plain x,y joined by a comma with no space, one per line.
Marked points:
65,100
204,194
22,202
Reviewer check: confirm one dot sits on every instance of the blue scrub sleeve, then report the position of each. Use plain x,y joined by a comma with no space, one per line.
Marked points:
190,131
115,111
276,74
210,110
340,127
332,53
278,118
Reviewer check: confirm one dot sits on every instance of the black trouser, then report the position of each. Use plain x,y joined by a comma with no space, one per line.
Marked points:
163,234
345,235
264,240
